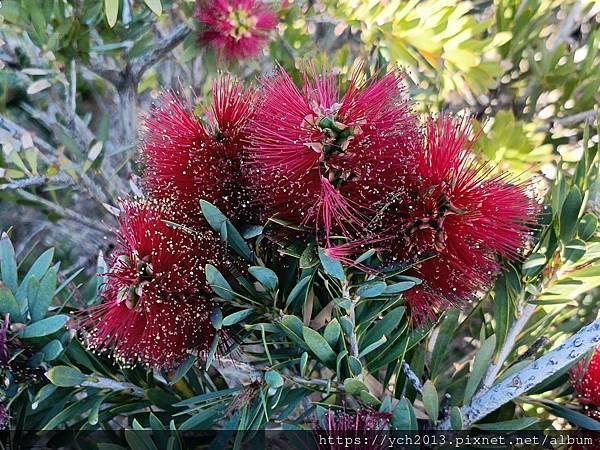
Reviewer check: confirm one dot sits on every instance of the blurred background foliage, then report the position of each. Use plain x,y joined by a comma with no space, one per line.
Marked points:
76,75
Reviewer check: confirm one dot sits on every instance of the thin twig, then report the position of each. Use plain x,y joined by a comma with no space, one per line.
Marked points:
512,387
139,65
63,212
567,26
585,116
72,105
38,180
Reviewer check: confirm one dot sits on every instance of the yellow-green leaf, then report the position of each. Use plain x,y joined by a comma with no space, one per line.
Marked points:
155,6
111,9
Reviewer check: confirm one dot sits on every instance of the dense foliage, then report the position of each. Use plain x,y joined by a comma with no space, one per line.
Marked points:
246,215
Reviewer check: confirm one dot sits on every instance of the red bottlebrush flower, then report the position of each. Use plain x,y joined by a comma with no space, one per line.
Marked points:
458,211
359,426
324,159
156,301
187,159
585,378
4,351
4,417
15,357
235,28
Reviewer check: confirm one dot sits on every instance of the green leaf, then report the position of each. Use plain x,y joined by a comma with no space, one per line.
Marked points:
394,351
534,264
309,257
303,362
273,379
74,410
343,303
369,399
292,327
354,387
155,423
502,310
38,269
513,425
45,327
355,366
338,362
331,266
265,276
139,440
9,305
44,393
236,317
397,288
383,327
456,420
574,250
482,360
332,332
252,231
576,418
8,263
212,351
297,290
155,6
371,289
183,369
346,325
404,417
587,226
111,9
217,220
32,290
65,376
208,397
52,350
444,337
218,283
569,214
44,293
369,348
294,324
202,420
216,318
431,401
318,345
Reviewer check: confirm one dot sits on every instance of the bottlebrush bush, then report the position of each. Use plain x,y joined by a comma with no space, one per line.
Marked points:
265,242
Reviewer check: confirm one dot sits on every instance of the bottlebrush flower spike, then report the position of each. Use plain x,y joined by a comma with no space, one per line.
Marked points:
585,378
187,159
235,28
4,417
16,357
156,302
459,211
323,159
360,426
4,350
